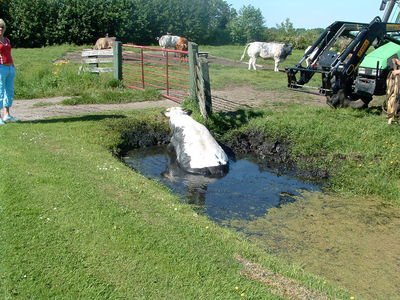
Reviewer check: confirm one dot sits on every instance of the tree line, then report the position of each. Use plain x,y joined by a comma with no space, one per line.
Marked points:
38,23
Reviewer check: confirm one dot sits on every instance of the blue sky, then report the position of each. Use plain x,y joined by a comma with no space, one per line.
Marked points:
313,13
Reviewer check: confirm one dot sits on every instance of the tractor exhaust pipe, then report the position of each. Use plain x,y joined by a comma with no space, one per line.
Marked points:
389,9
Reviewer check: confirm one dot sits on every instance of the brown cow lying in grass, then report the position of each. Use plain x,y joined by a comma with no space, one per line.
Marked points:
104,43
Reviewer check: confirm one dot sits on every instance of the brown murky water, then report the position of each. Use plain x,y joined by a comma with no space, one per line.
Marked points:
352,242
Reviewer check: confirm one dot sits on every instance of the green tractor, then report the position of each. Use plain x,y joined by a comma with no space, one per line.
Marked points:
351,75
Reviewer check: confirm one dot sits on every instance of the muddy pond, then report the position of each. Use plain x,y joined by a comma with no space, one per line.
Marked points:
351,242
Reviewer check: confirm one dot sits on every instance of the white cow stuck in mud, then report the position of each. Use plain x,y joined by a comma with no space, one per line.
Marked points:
196,149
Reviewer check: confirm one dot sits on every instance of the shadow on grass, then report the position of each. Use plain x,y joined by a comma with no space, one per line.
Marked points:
67,119
374,110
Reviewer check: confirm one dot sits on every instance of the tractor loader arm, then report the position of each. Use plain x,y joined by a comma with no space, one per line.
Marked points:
339,68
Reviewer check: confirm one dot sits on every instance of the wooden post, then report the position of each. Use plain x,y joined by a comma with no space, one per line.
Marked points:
207,85
117,53
93,65
193,50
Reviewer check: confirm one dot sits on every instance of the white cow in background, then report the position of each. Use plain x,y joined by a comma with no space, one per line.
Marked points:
196,150
168,41
311,55
272,50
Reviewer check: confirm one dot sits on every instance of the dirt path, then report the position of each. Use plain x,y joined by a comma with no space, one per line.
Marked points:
25,110
228,100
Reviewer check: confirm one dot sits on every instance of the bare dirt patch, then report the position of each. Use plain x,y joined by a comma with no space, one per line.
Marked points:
226,100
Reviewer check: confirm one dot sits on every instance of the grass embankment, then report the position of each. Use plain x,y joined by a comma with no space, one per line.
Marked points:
76,223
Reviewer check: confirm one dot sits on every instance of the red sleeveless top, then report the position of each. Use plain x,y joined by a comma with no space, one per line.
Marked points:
5,52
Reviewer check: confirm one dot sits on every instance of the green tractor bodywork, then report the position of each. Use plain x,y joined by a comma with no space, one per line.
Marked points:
376,66
374,69
351,73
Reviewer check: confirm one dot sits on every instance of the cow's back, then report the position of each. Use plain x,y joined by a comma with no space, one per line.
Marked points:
168,41
104,43
254,48
272,50
275,50
196,149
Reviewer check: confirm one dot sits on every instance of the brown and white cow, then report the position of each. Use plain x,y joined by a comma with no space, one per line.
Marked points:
182,45
104,43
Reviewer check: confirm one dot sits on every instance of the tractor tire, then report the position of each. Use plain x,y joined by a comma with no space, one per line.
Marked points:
342,99
336,100
366,99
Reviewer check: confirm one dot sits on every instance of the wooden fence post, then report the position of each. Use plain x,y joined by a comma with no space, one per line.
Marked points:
193,50
117,53
207,85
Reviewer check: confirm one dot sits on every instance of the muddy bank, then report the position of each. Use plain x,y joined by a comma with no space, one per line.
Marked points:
274,154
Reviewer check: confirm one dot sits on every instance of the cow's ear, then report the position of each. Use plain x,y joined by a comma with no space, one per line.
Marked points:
188,112
165,113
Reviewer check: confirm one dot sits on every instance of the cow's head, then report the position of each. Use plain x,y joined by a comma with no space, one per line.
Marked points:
290,48
176,111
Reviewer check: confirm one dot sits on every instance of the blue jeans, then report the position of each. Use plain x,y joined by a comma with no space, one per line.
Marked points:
7,76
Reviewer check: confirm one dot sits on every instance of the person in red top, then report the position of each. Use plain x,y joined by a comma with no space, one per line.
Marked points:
7,76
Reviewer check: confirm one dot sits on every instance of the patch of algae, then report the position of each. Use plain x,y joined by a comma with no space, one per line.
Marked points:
352,242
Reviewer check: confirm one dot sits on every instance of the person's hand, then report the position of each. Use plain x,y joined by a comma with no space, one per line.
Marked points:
395,72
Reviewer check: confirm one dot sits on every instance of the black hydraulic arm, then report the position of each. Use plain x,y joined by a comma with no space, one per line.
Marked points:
376,30
342,68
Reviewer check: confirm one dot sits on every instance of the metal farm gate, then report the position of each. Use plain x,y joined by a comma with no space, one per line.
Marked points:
143,67
149,68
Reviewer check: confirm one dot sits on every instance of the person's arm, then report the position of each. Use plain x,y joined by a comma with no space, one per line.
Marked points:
396,64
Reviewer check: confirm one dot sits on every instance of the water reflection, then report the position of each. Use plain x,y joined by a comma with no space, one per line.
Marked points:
246,192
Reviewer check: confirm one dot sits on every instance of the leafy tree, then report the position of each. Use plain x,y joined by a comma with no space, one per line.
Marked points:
27,22
286,30
81,21
247,26
4,12
198,20
270,34
119,18
37,23
220,15
306,38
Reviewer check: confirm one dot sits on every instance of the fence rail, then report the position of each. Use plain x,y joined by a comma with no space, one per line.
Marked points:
93,58
147,67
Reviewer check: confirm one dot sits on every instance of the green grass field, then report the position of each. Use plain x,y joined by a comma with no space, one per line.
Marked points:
76,223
